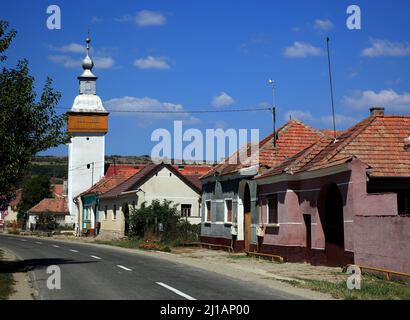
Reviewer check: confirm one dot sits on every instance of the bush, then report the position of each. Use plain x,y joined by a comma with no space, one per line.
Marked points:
162,221
46,222
155,220
188,232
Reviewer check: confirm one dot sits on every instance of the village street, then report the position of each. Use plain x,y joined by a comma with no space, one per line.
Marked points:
101,272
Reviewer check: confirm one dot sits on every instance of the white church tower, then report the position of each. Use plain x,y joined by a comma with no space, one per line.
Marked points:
87,126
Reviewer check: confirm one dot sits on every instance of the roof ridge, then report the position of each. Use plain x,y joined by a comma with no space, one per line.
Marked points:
311,149
351,134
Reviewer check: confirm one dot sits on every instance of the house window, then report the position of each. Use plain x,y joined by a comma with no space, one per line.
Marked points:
87,213
114,212
186,210
272,209
105,212
403,199
208,211
228,210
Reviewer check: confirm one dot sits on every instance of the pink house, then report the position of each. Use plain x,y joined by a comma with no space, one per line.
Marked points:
343,201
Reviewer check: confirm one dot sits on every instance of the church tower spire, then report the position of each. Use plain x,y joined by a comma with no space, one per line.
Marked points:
87,78
87,126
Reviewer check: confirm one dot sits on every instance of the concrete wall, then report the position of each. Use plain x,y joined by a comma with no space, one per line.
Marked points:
11,215
304,196
80,178
218,230
383,242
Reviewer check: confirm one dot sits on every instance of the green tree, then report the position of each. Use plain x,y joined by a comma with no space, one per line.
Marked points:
46,221
27,125
148,218
34,190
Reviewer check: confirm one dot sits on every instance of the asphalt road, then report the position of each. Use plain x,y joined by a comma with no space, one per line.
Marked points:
94,272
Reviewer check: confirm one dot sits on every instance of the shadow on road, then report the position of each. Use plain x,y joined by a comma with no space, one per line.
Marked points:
32,264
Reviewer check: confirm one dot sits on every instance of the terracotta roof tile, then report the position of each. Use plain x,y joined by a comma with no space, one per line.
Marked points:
135,181
52,205
113,178
293,137
379,141
124,169
17,198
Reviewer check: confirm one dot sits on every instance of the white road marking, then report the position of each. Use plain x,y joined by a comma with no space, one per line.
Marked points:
188,297
56,246
23,240
72,250
95,257
39,242
122,267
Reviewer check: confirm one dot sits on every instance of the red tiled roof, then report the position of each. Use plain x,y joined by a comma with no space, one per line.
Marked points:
145,174
293,137
379,141
113,178
188,170
17,198
124,169
58,190
52,205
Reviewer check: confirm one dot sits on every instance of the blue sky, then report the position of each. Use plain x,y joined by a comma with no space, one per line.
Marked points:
187,55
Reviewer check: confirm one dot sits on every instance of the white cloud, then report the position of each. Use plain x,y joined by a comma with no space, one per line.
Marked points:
66,61
381,48
302,50
95,19
342,121
74,54
385,98
147,18
222,100
323,25
70,62
72,47
143,104
103,62
298,114
150,62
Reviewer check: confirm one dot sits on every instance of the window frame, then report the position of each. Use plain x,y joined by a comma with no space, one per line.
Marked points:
226,211
268,222
206,211
190,210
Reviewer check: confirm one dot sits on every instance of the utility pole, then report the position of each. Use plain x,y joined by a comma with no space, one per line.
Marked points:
272,83
331,89
92,174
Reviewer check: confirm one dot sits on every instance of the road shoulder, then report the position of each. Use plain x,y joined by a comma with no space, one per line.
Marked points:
22,288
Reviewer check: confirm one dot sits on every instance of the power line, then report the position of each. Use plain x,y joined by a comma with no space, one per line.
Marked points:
182,111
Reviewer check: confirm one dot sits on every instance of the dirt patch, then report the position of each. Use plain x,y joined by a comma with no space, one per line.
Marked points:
291,271
22,287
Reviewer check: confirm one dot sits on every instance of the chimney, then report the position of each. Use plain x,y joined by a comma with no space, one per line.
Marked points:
376,111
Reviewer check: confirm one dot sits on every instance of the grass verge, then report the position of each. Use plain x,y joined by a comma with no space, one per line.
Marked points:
6,282
372,288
